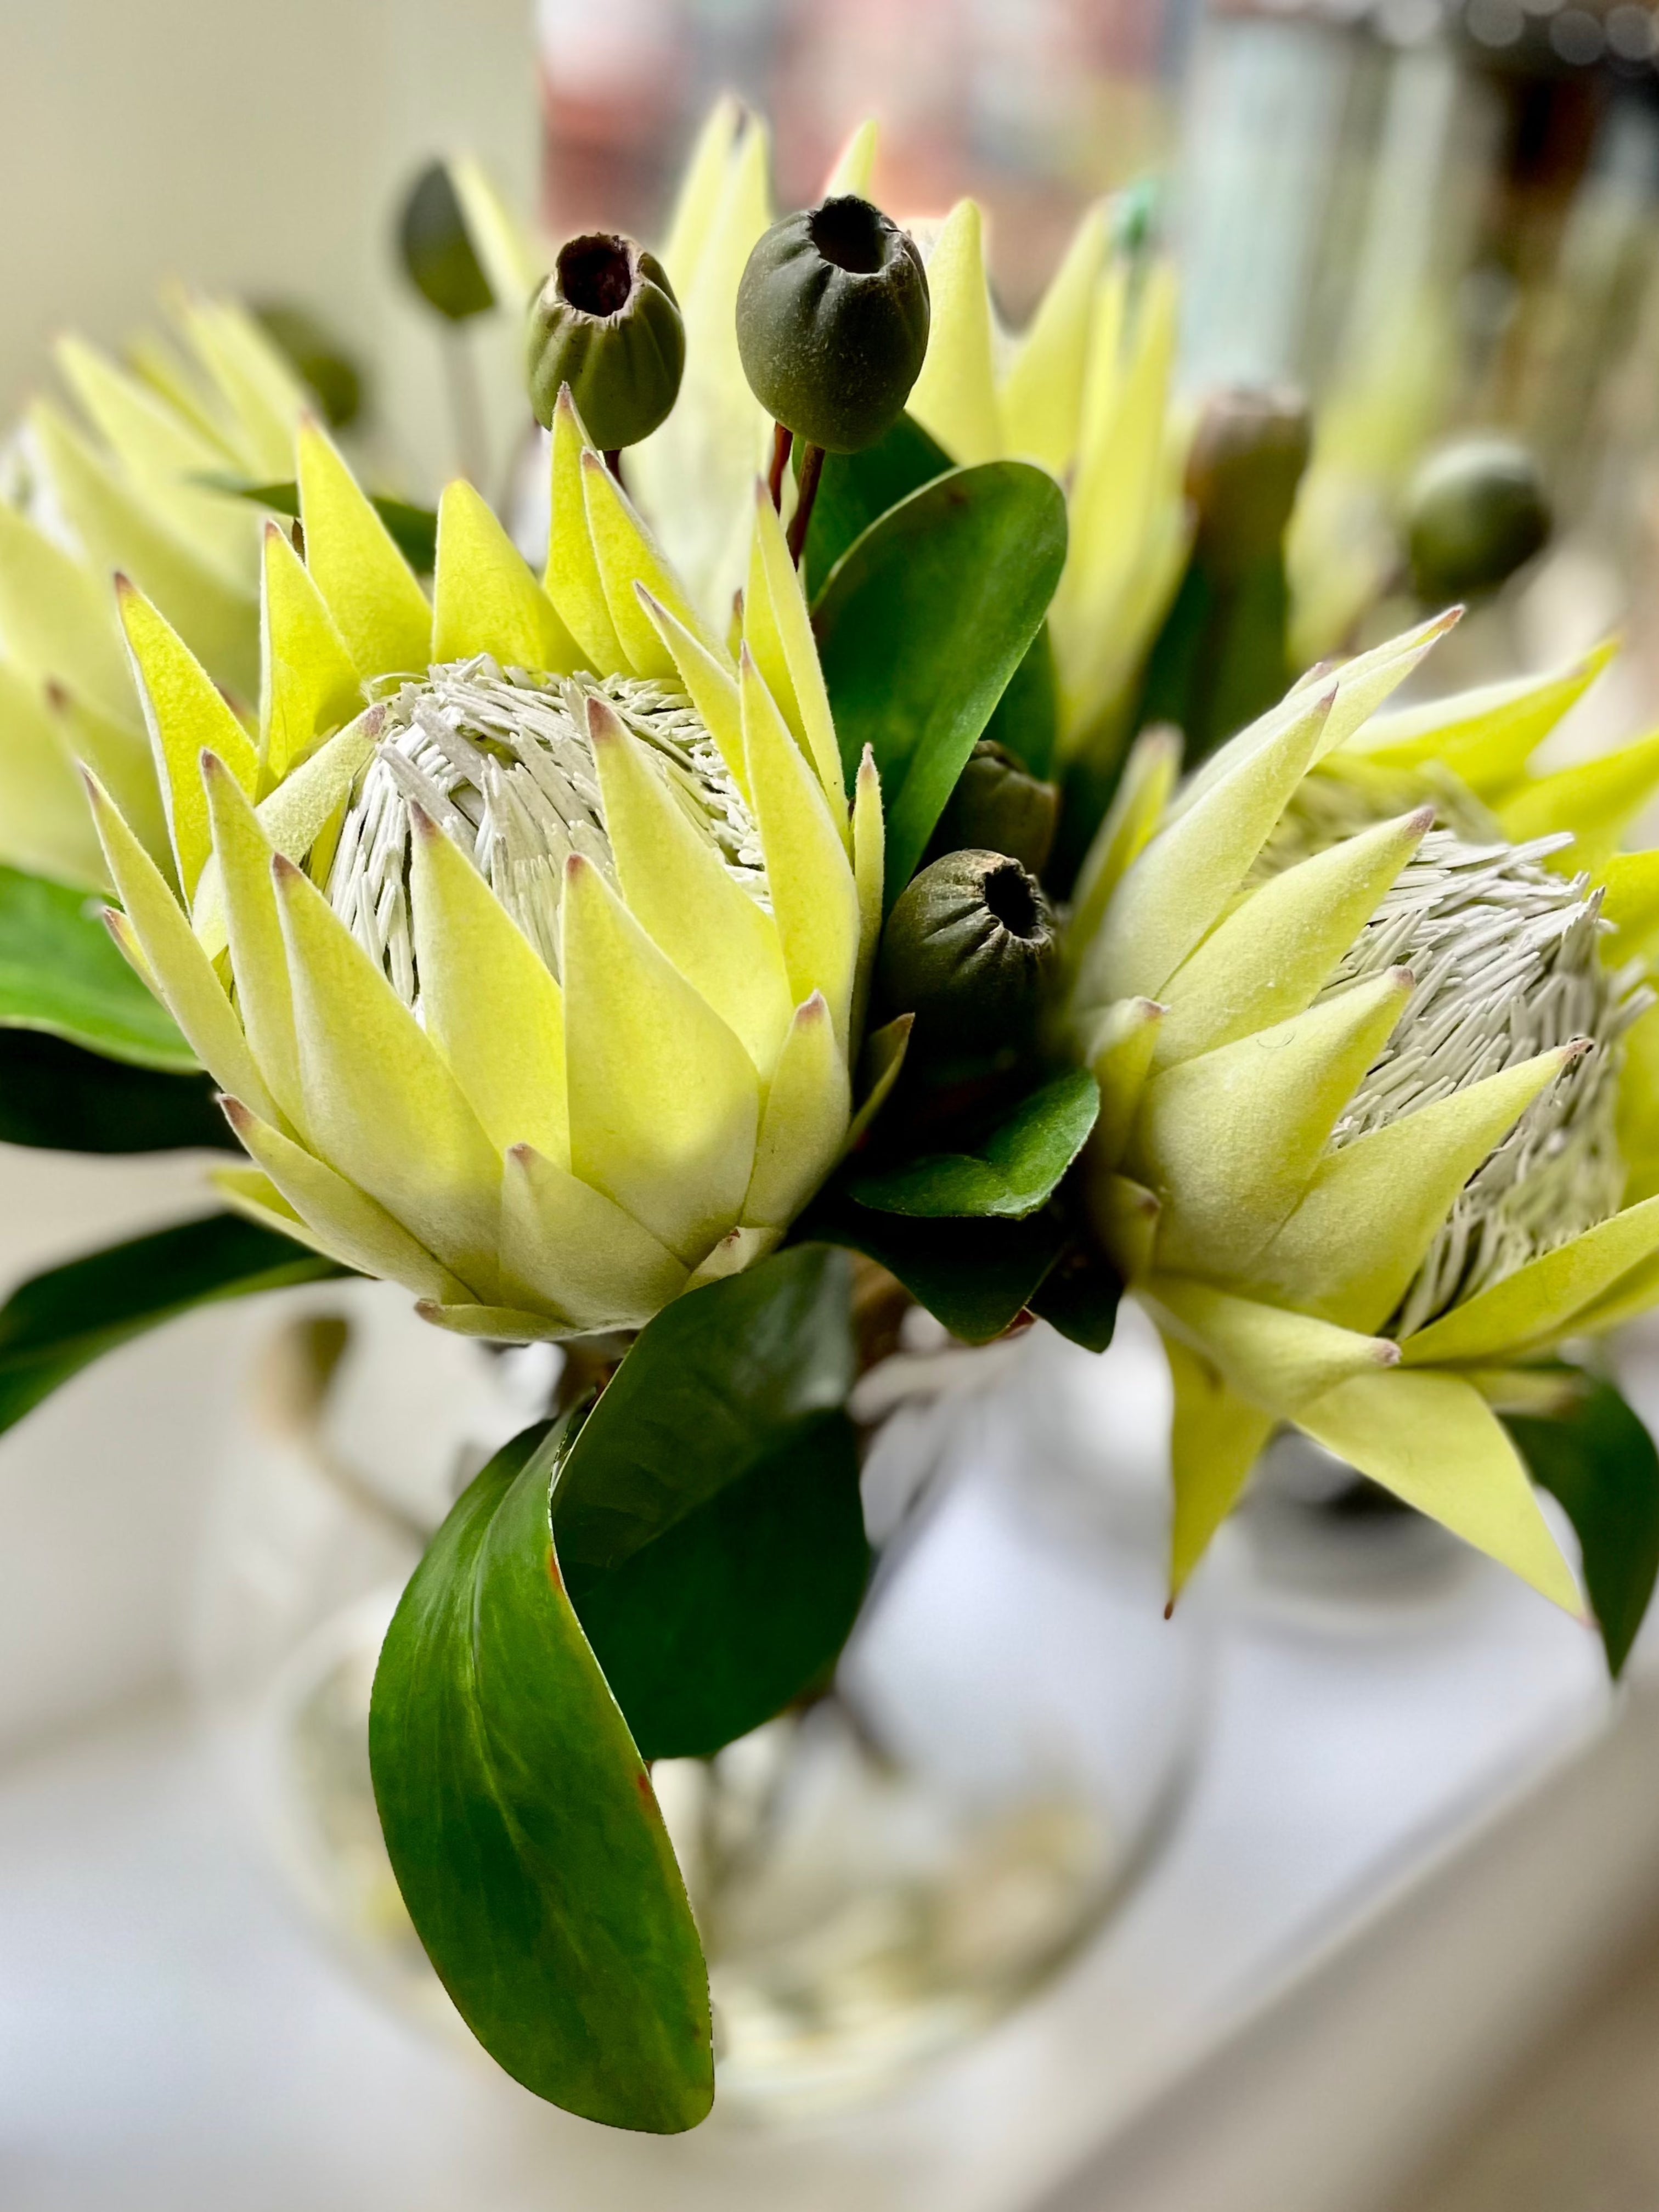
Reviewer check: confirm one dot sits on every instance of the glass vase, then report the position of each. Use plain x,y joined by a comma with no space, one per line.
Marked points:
879,1873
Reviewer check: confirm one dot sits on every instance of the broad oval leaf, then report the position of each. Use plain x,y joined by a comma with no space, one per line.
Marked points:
1016,1169
61,971
1599,1461
522,1825
975,1277
57,1322
708,1516
922,623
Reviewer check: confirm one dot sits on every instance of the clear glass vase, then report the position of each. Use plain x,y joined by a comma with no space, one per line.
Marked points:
879,1873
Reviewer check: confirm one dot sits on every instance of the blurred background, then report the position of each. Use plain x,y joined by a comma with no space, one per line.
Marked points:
1411,1846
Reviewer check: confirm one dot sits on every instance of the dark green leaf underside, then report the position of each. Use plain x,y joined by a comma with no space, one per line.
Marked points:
1599,1461
54,1095
60,1321
62,972
708,1517
974,1276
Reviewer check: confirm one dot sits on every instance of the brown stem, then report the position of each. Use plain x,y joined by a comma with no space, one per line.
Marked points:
811,468
613,462
782,439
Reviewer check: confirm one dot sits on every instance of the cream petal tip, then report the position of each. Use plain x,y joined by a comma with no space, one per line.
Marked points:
604,725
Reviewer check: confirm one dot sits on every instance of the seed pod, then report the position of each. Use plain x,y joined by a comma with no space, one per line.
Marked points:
1474,513
832,322
1000,807
969,949
1247,459
607,323
437,251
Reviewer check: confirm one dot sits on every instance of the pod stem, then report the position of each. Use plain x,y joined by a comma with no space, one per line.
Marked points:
811,468
782,439
613,461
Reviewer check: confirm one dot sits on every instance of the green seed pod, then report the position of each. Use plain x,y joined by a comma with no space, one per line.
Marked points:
437,251
1247,459
1000,807
324,366
832,323
607,323
1474,513
969,950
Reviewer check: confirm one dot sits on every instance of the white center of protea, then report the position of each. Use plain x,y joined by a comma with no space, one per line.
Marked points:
1507,957
500,761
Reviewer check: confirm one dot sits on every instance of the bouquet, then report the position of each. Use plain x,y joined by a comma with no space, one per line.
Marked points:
783,908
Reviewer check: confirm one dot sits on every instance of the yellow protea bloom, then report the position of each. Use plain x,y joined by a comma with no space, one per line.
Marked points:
534,983
1366,1002
123,488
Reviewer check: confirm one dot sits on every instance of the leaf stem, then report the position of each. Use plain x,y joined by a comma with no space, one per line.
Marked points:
782,439
811,468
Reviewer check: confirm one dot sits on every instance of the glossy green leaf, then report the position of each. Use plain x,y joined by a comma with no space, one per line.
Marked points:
922,623
60,1321
1017,1168
1598,1459
856,489
54,1095
521,1822
61,971
708,1517
414,530
975,1277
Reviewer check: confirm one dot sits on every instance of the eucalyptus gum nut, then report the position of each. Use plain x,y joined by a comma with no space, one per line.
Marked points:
607,323
1248,457
1474,513
832,323
999,807
436,248
969,949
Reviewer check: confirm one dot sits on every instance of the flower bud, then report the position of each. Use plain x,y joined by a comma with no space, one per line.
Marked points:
437,251
1000,807
969,949
832,322
1247,460
607,323
1474,513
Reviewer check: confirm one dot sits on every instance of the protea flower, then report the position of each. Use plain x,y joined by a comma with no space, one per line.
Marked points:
1373,1137
213,399
534,983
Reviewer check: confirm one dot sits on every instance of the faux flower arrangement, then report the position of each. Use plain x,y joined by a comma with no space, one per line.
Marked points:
623,955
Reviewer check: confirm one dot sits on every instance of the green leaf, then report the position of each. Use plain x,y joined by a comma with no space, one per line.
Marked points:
975,1277
61,971
414,529
856,489
521,1822
1026,719
1016,1169
1599,1461
60,1321
921,625
56,1096
1079,1297
708,1517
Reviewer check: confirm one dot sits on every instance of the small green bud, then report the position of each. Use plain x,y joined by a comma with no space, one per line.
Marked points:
969,950
322,364
1000,807
832,323
437,251
1475,512
607,323
1247,459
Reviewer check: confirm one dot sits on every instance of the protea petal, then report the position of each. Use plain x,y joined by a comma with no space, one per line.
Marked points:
804,1121
57,620
955,395
310,684
777,632
1121,1059
186,716
1043,394
1216,1438
567,1246
628,556
484,599
709,684
1485,736
1596,801
258,954
43,826
368,588
573,581
1276,1358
